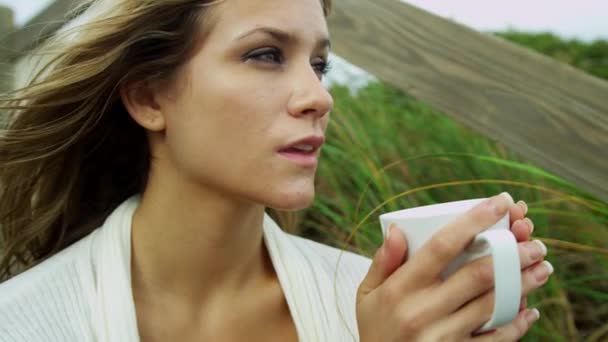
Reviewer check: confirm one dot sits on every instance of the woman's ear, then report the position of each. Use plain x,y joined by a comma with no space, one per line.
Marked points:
140,100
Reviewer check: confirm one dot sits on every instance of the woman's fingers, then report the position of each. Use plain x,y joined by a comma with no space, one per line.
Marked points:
475,313
433,257
469,318
522,229
512,331
477,277
524,206
531,252
387,259
517,211
521,226
471,285
535,276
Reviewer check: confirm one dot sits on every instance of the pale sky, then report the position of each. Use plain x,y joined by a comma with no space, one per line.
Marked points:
583,19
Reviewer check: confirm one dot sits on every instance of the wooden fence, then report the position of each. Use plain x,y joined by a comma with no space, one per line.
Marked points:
6,26
551,114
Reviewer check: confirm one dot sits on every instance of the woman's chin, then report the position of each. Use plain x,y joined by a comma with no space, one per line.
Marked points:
293,200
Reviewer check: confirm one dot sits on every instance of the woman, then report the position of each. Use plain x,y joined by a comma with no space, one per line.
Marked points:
137,168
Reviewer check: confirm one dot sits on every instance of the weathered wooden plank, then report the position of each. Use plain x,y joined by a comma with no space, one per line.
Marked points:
6,45
553,115
39,27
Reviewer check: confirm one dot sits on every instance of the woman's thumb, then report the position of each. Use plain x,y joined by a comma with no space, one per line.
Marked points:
387,259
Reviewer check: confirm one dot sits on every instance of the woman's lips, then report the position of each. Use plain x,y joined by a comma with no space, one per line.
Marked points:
301,158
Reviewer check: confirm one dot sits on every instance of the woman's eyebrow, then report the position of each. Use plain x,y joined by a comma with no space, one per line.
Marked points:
283,36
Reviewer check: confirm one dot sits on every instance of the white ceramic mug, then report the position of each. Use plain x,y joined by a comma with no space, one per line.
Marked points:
420,223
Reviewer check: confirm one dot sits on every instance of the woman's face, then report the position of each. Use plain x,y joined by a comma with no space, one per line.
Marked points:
253,88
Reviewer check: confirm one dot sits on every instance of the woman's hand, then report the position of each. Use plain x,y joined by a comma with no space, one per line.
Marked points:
407,301
522,227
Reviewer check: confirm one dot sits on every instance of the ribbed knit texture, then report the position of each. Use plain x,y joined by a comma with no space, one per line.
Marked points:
60,300
48,302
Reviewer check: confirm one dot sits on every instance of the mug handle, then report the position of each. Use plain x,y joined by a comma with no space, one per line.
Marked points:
507,276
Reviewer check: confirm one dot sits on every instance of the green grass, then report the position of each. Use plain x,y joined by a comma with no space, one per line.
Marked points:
387,151
590,57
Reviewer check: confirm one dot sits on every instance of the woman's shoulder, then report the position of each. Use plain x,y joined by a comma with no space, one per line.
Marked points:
50,270
346,264
48,301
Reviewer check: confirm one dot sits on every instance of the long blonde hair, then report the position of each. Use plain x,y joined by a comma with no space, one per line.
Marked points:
69,151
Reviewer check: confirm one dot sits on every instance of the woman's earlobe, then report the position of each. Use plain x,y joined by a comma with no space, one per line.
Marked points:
140,101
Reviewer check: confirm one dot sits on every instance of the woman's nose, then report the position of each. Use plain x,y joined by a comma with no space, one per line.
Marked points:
309,95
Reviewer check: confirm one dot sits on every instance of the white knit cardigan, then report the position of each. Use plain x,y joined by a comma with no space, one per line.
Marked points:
84,293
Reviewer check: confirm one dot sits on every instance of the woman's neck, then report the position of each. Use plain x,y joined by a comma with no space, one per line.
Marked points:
198,248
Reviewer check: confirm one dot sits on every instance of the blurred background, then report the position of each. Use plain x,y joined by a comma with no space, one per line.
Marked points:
581,20
393,144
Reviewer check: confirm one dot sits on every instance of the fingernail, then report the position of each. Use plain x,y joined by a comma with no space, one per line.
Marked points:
534,250
541,273
523,205
532,315
543,248
500,206
390,229
549,266
530,224
508,197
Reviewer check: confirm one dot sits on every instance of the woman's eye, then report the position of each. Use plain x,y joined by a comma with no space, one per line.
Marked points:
267,56
322,67
275,56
